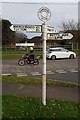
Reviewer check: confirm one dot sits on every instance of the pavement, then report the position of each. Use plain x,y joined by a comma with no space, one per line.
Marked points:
53,92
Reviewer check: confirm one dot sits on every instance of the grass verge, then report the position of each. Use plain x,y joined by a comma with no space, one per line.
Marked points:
27,107
35,81
16,54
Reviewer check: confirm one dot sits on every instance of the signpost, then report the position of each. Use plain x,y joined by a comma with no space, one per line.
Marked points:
44,15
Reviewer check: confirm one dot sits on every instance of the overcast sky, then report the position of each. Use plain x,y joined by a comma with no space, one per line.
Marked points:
25,11
39,0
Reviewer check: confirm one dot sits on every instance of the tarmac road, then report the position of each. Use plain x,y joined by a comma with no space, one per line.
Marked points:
63,69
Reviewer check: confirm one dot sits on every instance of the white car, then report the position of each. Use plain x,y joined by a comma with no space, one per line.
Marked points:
59,52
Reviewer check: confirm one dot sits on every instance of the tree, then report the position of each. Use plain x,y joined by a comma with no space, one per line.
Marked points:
10,37
70,25
73,27
7,35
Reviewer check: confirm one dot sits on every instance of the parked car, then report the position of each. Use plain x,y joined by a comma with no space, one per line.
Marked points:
59,52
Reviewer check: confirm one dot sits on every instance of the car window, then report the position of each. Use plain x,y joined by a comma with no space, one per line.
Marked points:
58,50
50,50
65,50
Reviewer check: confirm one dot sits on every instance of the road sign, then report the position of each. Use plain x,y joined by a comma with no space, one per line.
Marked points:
67,36
32,28
26,28
59,36
55,36
24,44
51,30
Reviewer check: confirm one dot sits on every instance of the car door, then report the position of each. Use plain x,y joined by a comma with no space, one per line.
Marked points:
58,53
64,53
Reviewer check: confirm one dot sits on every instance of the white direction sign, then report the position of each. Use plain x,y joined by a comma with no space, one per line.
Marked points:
52,33
51,30
32,28
26,28
67,36
55,36
59,36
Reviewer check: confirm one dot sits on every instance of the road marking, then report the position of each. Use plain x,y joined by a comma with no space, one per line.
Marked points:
21,74
35,73
6,74
73,71
61,71
49,72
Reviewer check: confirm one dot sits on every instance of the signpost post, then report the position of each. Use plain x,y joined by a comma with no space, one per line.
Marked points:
44,14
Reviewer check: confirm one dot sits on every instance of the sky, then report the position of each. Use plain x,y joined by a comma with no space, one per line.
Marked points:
25,11
40,0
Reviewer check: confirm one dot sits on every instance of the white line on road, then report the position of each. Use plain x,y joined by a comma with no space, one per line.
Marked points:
6,74
49,72
21,74
73,71
35,73
61,71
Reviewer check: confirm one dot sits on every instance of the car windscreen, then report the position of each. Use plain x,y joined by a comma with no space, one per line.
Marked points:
50,50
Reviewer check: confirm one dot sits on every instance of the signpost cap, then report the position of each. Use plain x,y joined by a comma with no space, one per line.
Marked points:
44,14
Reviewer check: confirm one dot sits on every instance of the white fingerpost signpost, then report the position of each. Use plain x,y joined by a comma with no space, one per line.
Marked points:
48,32
44,15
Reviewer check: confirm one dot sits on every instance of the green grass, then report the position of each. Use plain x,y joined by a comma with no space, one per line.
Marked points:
13,54
35,81
27,107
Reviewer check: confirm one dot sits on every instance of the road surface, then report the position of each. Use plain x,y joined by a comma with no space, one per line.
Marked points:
62,70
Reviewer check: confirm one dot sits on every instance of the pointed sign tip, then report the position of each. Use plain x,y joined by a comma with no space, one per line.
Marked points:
12,28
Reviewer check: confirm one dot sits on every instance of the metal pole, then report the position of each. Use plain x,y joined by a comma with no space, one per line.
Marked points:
44,34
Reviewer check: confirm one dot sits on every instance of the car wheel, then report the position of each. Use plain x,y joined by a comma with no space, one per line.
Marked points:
72,56
53,57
